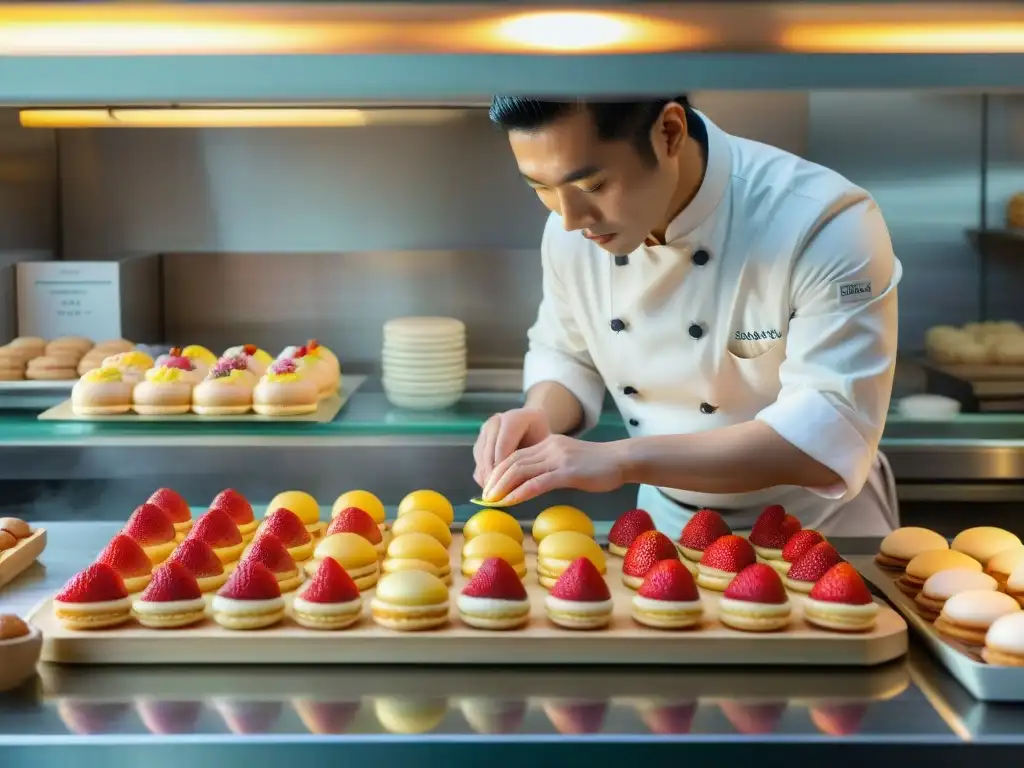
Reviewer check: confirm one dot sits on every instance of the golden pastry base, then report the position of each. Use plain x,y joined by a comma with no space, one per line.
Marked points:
624,642
19,557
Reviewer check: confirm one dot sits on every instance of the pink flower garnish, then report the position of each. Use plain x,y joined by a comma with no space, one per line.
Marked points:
226,365
284,366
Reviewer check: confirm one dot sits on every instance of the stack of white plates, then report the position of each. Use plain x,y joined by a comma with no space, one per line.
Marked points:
424,361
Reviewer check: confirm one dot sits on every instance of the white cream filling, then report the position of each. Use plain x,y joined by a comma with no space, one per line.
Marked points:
171,606
230,605
488,604
408,610
578,606
820,606
326,609
757,609
103,606
649,604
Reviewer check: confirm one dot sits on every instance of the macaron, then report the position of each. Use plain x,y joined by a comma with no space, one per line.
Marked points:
668,598
755,601
494,598
428,501
626,528
409,601
366,501
422,521
943,585
967,616
841,602
984,542
557,551
492,521
580,598
251,599
1004,641
1014,586
353,553
304,506
330,600
904,544
493,545
420,552
927,564
561,518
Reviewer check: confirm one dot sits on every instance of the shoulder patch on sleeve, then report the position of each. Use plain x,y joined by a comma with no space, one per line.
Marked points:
852,291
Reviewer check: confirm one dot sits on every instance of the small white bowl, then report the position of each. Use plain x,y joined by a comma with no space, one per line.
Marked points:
18,658
929,407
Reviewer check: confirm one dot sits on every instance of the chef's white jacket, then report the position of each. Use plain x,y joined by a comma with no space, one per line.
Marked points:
773,298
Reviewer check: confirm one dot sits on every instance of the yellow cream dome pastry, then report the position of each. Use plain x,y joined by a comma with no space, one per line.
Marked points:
304,506
422,521
285,391
984,542
133,364
102,392
418,552
365,501
353,553
492,521
429,501
558,550
561,518
164,392
410,601
487,545
202,358
226,391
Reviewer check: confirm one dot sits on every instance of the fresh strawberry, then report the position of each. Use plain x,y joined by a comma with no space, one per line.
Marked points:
269,550
126,556
629,526
198,557
757,583
703,530
646,550
842,584
815,563
287,526
235,504
96,584
800,544
330,584
354,520
669,580
730,553
172,505
581,582
497,580
791,525
216,529
149,525
768,530
251,581
172,581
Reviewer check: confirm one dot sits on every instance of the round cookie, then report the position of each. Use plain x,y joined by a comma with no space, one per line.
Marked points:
967,616
984,542
927,564
904,544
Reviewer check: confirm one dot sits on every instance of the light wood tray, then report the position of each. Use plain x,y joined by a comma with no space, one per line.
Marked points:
15,560
540,642
326,412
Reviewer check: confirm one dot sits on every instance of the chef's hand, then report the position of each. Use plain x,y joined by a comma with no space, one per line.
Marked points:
505,432
557,462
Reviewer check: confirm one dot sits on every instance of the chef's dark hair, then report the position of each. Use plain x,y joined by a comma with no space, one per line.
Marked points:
614,120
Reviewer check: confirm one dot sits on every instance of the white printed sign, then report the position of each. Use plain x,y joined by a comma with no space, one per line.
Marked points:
69,298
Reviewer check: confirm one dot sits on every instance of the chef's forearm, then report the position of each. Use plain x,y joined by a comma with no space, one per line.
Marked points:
564,412
736,459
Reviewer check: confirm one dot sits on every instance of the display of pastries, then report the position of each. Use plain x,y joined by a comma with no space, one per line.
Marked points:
967,616
172,599
580,598
251,599
495,597
353,553
94,598
647,549
330,601
998,342
411,600
62,359
668,598
557,551
943,585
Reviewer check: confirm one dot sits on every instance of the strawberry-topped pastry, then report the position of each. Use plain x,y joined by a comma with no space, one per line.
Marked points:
315,368
355,520
176,508
93,599
799,544
626,529
814,564
703,529
175,359
331,600
723,560
239,510
172,599
202,562
580,598
841,601
269,550
126,556
153,530
668,598
216,529
755,601
646,550
250,600
495,597
771,531
287,526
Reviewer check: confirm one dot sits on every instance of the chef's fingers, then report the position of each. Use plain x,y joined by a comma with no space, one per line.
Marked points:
506,478
523,455
511,432
483,449
537,486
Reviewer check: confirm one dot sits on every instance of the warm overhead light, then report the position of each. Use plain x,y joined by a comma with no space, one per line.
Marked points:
566,31
906,38
232,117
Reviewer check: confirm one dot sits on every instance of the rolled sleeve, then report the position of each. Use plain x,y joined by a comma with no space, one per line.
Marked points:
841,347
557,348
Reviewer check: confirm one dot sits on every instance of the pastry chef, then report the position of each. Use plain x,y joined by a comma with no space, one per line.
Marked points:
737,301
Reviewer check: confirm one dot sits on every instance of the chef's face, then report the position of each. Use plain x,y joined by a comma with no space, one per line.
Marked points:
609,190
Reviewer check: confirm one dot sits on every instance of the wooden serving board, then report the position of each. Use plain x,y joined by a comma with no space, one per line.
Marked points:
540,642
19,557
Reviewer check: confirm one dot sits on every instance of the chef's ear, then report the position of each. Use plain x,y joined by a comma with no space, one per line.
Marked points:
671,129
